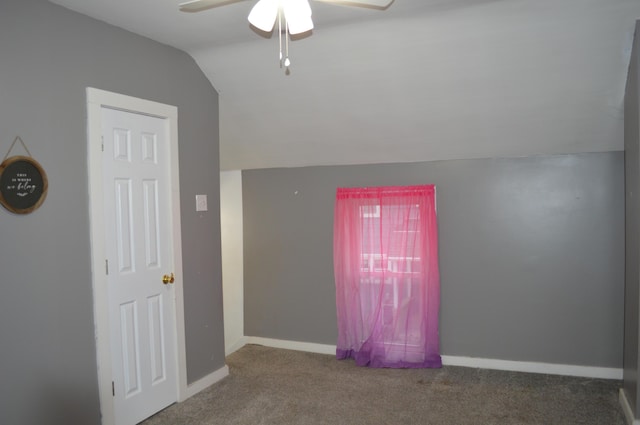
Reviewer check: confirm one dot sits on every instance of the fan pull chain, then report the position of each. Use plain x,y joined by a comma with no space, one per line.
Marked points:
280,33
287,62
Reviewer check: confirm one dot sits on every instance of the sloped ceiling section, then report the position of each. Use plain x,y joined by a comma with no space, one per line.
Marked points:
422,80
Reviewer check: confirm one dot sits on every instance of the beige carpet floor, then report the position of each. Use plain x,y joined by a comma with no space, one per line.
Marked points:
268,386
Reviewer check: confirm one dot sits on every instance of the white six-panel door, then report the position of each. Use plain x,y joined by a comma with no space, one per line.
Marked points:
136,182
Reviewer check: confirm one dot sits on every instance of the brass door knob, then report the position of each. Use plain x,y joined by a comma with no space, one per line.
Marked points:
168,278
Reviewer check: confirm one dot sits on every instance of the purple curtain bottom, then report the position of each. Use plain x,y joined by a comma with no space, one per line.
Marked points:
370,359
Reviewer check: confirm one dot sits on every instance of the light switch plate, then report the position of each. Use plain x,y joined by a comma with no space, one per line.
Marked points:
201,203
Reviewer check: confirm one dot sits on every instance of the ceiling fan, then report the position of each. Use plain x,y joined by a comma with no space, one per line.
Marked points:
292,16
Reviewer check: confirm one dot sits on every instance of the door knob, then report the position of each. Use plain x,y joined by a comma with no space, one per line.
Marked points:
168,278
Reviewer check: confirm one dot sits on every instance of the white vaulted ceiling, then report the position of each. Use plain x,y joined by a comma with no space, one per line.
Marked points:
422,80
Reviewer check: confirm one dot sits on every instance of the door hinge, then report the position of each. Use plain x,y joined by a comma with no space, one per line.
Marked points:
102,141
113,388
106,267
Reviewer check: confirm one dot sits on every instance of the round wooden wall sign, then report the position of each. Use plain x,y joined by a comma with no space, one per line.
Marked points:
23,184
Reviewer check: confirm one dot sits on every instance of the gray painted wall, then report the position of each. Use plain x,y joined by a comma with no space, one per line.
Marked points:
48,56
632,222
531,254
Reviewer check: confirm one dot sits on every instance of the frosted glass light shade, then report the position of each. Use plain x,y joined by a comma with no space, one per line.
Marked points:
263,14
297,13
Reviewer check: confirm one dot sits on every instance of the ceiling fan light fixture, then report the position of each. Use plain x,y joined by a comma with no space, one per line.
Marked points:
297,15
293,16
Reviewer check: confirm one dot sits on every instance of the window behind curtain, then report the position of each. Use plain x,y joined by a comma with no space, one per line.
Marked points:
387,279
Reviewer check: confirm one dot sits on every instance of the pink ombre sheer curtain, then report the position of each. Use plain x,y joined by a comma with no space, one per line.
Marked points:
385,253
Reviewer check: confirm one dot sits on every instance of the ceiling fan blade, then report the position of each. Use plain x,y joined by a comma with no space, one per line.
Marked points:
371,4
199,5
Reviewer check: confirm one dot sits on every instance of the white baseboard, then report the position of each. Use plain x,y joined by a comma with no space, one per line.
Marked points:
626,408
205,382
309,347
515,366
534,367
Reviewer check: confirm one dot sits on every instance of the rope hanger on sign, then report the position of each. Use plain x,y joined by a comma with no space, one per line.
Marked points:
17,139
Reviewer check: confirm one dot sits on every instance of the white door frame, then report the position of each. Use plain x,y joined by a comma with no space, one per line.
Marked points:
96,99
